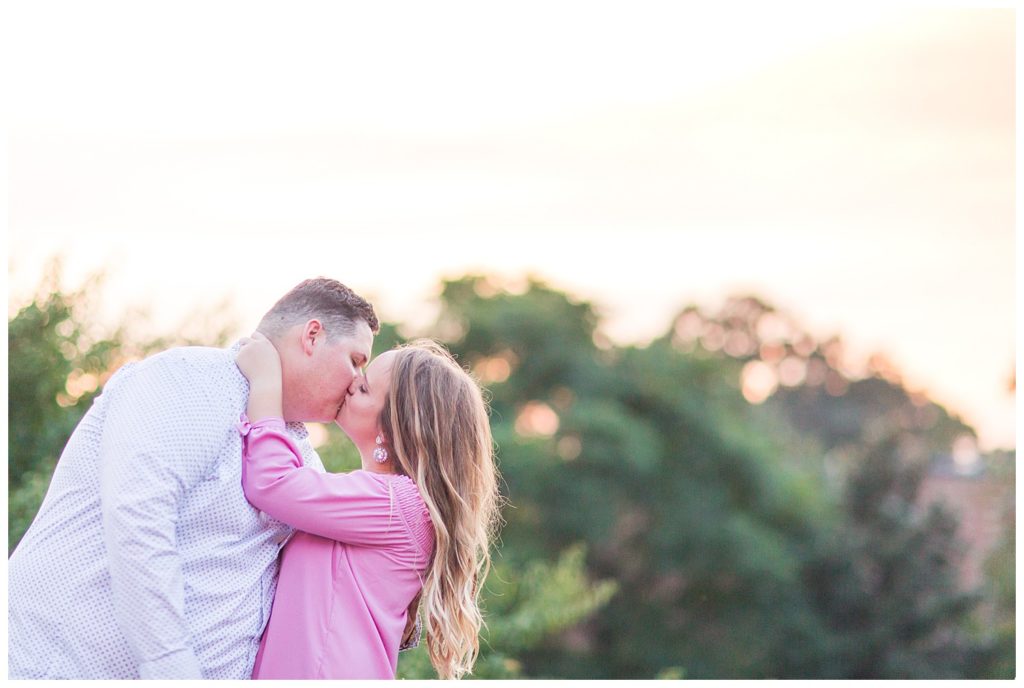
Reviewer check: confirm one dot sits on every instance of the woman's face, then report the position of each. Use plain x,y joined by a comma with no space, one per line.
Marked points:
360,413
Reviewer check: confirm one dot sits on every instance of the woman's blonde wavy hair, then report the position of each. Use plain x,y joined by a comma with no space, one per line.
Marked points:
436,421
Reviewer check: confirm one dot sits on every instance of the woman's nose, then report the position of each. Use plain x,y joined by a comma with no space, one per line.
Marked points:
354,385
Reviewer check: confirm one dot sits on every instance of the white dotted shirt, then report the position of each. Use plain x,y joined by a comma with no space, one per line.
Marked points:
145,560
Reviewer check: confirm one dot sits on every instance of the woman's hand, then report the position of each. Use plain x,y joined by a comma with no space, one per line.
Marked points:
258,359
260,363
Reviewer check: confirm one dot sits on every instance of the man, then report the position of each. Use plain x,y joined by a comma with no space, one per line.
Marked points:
145,560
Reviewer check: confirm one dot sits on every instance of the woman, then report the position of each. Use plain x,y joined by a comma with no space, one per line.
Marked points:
417,519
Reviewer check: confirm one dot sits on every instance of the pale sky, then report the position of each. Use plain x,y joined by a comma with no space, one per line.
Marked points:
854,167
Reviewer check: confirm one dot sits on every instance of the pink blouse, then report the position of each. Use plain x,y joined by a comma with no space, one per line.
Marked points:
348,574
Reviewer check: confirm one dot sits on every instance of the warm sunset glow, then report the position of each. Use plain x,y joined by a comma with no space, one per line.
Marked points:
854,166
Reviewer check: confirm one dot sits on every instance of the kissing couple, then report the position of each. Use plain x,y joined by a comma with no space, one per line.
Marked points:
190,530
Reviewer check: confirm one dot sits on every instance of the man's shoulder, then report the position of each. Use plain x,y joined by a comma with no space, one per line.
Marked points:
194,355
190,359
197,367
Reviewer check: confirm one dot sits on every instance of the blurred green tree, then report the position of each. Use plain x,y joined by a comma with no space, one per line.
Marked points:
54,370
886,581
523,606
816,387
996,619
712,514
877,440
660,468
1000,618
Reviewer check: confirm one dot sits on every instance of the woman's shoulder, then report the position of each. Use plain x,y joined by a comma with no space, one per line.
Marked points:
407,491
393,484
385,481
413,509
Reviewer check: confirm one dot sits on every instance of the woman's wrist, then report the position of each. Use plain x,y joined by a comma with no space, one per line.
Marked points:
265,382
264,399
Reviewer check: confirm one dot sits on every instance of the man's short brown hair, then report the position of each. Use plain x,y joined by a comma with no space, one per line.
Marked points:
332,303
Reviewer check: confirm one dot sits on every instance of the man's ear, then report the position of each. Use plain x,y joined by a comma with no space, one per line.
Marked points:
311,333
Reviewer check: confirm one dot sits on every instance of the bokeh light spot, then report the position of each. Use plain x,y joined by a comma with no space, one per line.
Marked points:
792,371
569,447
536,419
758,381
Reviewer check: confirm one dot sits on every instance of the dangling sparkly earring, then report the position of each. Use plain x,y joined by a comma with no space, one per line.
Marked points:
380,454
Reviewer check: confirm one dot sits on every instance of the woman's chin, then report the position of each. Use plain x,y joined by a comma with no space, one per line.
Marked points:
340,423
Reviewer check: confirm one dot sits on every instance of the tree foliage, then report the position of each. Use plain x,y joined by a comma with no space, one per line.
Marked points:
54,371
666,516
523,606
716,517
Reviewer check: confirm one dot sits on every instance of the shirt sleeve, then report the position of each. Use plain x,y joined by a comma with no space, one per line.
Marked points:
157,443
356,508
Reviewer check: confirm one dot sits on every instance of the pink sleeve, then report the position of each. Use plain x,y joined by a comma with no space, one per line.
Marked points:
357,507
